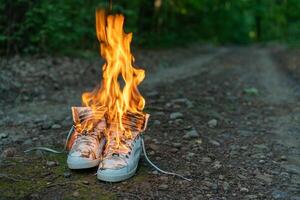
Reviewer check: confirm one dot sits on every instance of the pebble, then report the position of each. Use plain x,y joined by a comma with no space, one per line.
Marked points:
217,165
51,163
67,174
85,182
56,126
190,154
159,113
283,158
153,93
75,194
154,147
155,172
191,134
176,115
185,101
28,142
251,196
47,124
176,144
277,194
264,177
284,175
226,186
173,150
206,159
294,169
9,152
212,123
164,178
163,187
214,142
3,135
295,198
244,190
260,147
156,122
221,177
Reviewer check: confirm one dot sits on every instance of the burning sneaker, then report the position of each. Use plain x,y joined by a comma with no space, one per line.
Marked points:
87,141
120,163
122,153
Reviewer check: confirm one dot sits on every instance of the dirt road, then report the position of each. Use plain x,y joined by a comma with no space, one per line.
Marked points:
238,137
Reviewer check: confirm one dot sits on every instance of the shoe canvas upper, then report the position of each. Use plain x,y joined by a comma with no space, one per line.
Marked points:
87,144
114,160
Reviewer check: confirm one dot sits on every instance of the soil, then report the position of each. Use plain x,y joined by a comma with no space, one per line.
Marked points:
236,137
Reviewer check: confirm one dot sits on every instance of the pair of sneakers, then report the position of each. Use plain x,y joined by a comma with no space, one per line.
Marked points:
90,148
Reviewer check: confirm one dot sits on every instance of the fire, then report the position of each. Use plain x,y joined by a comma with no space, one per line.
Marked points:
118,100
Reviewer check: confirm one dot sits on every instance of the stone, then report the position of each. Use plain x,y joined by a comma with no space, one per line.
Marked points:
226,186
3,135
185,101
244,190
47,124
51,163
190,154
173,150
85,182
153,93
214,142
176,144
277,194
164,178
283,158
28,142
154,147
206,160
251,196
156,122
207,184
264,177
9,152
191,134
284,175
295,198
260,147
75,194
163,187
56,126
291,168
67,174
212,123
155,172
261,161
216,165
176,115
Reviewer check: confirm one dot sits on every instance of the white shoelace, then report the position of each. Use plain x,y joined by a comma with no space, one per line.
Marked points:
143,146
157,168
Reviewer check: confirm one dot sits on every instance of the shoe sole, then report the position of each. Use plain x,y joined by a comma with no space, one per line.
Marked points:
83,165
122,177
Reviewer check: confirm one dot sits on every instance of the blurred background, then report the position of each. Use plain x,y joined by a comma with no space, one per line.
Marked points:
61,26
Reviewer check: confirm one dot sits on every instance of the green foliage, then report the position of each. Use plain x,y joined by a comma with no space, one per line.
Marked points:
61,26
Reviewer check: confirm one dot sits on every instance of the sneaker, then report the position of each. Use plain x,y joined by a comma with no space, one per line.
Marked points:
86,146
120,164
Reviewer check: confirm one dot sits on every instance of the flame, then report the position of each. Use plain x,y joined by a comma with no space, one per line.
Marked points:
118,100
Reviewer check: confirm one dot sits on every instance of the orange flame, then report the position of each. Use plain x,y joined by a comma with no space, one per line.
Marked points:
115,49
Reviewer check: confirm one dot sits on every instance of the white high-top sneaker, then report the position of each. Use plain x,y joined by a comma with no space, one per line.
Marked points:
86,147
117,164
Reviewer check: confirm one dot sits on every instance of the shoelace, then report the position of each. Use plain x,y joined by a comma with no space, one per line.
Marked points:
143,147
52,150
157,168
